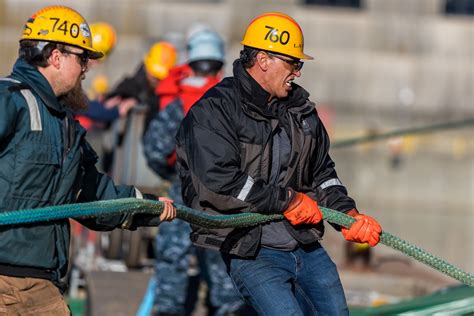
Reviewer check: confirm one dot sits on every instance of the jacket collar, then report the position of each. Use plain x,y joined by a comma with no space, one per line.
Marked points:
256,98
30,76
250,90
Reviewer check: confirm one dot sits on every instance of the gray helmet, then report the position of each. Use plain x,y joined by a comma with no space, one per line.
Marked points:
205,45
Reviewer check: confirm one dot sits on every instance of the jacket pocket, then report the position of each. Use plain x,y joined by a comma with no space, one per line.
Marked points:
37,166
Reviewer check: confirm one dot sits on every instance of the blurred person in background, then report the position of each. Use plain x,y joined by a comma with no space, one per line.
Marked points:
254,143
177,93
140,87
97,119
104,39
45,160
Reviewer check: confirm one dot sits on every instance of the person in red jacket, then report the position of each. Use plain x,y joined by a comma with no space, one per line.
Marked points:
177,93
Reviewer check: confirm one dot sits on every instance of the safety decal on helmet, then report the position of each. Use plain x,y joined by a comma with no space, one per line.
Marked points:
26,29
273,35
86,32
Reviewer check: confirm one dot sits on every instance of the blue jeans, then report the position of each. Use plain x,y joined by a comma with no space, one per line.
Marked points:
298,282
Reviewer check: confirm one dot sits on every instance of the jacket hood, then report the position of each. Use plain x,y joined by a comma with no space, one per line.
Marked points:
182,84
170,84
169,87
250,90
193,88
30,76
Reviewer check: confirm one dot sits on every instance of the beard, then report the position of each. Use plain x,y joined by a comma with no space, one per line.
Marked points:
75,99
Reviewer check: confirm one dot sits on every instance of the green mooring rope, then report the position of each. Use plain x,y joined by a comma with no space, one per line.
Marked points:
199,218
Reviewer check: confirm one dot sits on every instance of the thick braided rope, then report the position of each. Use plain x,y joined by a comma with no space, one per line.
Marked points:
131,206
406,248
138,206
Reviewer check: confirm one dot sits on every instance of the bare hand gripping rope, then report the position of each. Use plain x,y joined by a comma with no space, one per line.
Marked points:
138,206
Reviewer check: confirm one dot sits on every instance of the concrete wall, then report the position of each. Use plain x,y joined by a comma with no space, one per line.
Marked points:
388,55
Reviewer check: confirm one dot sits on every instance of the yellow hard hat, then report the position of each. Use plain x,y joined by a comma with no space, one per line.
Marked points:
62,25
104,37
276,32
100,85
160,59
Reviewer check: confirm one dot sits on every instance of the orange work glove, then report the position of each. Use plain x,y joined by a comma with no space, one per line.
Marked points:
302,210
364,230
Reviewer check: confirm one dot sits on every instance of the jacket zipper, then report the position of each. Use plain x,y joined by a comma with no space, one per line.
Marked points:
66,137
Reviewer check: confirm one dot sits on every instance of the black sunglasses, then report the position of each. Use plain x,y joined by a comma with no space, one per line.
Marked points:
83,57
296,64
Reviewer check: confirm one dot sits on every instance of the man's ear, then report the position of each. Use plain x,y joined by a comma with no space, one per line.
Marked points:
55,58
262,61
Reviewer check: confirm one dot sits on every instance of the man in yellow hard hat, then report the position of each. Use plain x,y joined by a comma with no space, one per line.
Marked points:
255,143
45,160
135,90
140,87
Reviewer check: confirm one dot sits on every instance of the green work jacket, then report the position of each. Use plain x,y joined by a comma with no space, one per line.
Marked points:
45,160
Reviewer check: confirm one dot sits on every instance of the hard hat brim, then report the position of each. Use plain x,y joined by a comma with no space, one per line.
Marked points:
307,57
93,54
300,56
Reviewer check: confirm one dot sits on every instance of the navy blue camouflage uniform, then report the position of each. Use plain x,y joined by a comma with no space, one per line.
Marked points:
173,245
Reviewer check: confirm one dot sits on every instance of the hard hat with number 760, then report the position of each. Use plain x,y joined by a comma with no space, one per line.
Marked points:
276,32
60,24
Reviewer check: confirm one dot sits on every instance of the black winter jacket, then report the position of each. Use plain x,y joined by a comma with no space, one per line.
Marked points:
224,152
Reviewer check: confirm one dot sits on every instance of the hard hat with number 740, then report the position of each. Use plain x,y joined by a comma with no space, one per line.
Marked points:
276,32
60,24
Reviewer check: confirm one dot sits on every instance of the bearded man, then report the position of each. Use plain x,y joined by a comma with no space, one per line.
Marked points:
45,160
